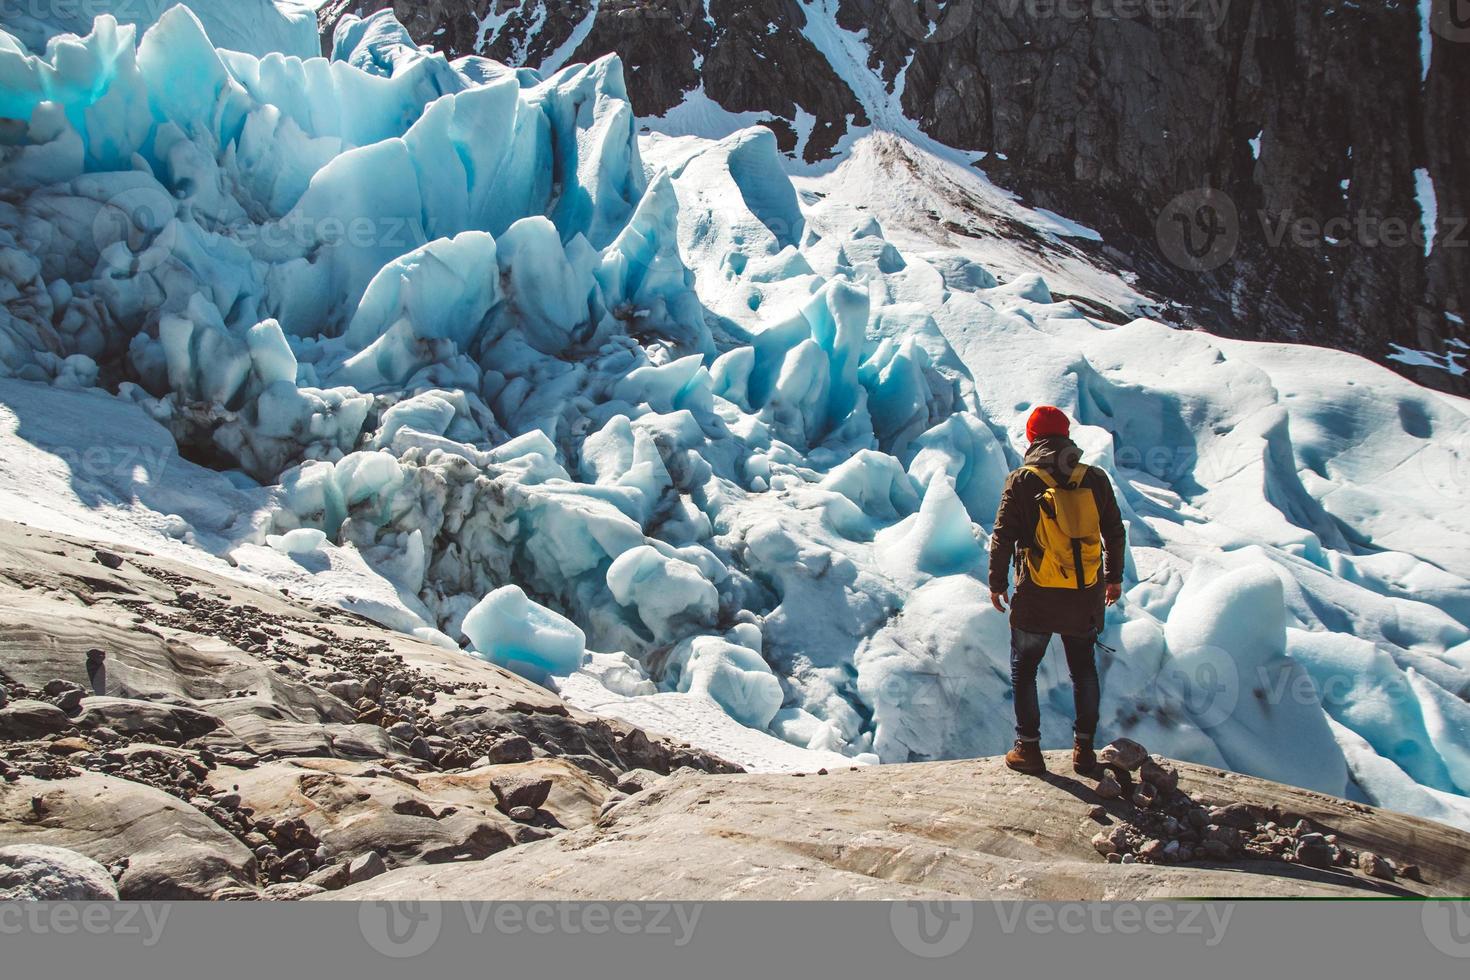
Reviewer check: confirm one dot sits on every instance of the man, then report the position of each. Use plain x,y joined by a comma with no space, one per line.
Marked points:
1059,521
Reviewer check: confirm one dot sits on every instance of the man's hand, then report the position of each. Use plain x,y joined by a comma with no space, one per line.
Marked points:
998,600
1112,593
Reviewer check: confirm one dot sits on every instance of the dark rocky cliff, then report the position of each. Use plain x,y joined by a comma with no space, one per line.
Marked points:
1313,126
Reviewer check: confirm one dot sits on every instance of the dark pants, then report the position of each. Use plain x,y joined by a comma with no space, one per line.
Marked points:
1027,649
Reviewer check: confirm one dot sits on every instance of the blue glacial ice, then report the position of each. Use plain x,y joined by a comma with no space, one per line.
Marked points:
678,430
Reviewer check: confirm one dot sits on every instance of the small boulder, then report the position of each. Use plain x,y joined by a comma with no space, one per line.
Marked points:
1152,850
330,877
42,873
513,790
511,749
367,865
1108,787
1120,838
26,719
522,814
1124,753
1314,851
69,746
1159,773
348,690
1238,815
637,780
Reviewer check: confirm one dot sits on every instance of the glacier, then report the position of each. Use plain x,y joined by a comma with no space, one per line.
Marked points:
701,442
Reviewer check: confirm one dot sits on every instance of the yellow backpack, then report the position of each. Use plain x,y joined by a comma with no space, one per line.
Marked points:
1068,534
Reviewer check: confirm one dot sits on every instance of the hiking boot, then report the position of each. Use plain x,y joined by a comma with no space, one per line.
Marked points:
1084,759
1026,757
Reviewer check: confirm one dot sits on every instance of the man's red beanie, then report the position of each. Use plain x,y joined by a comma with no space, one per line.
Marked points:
1047,420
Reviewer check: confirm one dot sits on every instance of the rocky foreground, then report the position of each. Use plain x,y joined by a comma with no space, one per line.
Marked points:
964,829
201,739
167,734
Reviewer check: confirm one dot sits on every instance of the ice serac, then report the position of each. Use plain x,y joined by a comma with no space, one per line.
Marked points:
735,676
1227,638
508,629
693,439
670,595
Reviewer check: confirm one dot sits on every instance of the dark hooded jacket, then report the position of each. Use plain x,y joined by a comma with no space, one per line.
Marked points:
1036,609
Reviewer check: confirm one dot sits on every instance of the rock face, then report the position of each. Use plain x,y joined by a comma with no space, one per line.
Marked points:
165,848
1317,124
928,831
37,873
219,759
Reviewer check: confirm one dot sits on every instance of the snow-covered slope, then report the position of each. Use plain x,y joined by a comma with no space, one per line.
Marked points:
661,427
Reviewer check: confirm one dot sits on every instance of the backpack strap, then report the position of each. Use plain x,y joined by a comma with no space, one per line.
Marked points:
1045,477
1078,473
